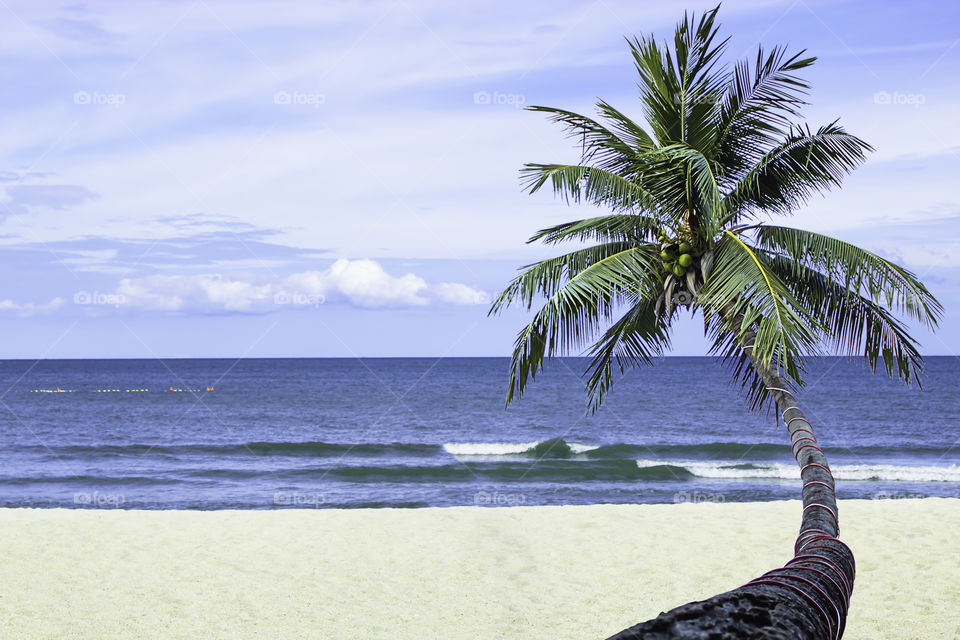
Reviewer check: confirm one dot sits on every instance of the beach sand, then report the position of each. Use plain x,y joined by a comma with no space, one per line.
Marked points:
517,572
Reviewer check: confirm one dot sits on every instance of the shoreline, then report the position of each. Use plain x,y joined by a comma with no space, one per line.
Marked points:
509,572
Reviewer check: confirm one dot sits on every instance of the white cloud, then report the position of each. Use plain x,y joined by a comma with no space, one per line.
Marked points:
360,283
25,309
205,292
363,283
456,293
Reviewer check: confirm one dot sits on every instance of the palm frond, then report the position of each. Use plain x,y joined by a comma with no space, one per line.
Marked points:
635,339
626,129
602,148
860,271
758,105
743,294
544,278
804,163
679,89
771,94
853,324
574,312
619,227
685,182
580,183
659,87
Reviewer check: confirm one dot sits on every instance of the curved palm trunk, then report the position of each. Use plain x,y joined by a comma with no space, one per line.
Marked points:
808,598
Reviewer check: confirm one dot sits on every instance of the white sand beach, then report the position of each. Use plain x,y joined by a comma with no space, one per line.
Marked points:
522,572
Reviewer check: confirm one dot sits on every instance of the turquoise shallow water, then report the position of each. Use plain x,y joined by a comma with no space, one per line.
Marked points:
279,433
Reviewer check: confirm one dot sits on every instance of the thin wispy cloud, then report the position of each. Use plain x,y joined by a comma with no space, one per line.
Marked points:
28,309
24,198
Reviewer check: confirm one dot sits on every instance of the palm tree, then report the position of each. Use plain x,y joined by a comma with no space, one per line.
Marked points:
687,196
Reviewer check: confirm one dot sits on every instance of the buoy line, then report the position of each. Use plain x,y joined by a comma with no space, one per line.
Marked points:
167,390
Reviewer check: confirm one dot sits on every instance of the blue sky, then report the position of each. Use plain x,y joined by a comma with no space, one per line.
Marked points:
232,179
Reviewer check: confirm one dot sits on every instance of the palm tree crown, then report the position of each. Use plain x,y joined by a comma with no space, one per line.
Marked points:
687,193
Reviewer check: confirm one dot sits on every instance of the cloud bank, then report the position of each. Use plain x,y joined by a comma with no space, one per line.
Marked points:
358,283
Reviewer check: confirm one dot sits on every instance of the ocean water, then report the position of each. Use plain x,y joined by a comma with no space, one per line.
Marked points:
320,433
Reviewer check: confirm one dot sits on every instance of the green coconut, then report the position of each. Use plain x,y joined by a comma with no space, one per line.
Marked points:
686,260
666,255
679,270
685,247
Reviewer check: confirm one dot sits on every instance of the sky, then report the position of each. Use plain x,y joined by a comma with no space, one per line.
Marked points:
238,179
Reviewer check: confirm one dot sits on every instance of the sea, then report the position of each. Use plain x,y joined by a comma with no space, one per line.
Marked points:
427,432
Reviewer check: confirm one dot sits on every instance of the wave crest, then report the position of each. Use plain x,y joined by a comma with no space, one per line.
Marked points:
777,471
552,448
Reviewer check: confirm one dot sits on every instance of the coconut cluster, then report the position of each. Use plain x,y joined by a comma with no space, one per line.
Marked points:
677,254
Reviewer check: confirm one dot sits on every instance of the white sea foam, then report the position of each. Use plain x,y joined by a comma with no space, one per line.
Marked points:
506,448
890,472
576,447
488,448
726,469
946,473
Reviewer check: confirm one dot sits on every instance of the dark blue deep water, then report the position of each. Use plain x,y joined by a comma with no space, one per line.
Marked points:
427,432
